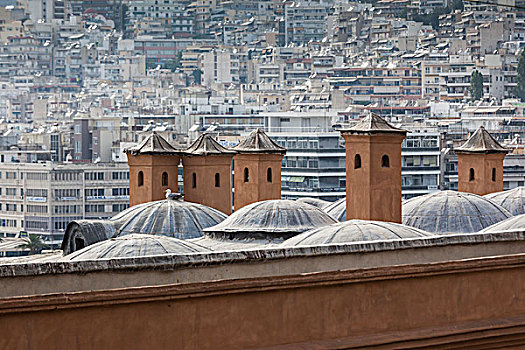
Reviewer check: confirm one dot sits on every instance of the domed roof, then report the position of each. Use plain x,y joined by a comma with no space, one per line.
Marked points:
168,217
271,218
337,209
514,223
356,231
452,212
134,246
512,200
316,202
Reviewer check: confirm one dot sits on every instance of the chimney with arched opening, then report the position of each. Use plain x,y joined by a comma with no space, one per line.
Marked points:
257,169
480,164
207,173
153,167
373,170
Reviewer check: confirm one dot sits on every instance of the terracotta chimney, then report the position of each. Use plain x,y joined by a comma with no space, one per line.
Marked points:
257,169
207,173
373,170
153,168
480,164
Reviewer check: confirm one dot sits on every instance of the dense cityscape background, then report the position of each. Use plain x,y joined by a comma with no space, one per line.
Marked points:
82,80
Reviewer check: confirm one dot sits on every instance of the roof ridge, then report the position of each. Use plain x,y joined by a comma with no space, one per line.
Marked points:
205,144
373,123
153,144
258,142
481,142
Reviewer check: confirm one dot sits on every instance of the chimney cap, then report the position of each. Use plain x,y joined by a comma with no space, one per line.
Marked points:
373,124
481,142
258,142
206,145
153,144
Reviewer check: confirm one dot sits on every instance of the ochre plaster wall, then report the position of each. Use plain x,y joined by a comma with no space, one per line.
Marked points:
482,165
205,192
152,166
471,301
373,192
257,188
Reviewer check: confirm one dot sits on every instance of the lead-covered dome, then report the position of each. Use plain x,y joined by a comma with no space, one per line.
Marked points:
452,212
270,219
513,200
356,231
169,217
337,209
514,223
316,202
136,245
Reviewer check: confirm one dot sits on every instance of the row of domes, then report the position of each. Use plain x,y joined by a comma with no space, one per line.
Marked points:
451,211
274,221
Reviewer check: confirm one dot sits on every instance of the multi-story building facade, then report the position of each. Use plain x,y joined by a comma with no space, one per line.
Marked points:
420,162
314,165
306,20
43,198
383,83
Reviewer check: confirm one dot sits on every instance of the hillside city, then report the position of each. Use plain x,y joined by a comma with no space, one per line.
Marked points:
80,81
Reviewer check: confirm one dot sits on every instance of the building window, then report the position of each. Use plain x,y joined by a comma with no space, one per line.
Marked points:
193,180
493,174
385,161
357,161
217,180
164,179
471,175
269,175
246,175
140,179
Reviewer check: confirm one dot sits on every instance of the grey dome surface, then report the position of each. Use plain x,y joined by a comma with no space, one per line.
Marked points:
168,217
81,233
452,212
514,223
512,200
356,231
271,218
221,245
134,246
337,209
316,202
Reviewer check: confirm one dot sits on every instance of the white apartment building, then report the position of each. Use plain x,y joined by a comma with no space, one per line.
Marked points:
219,66
306,20
42,198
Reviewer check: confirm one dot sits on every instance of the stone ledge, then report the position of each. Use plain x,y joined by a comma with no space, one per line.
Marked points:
173,262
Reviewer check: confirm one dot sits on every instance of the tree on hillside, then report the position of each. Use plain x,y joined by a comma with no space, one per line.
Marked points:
519,91
197,76
476,86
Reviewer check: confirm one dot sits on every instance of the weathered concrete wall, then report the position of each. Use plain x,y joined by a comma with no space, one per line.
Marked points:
373,191
76,276
205,190
462,303
257,188
152,167
483,165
